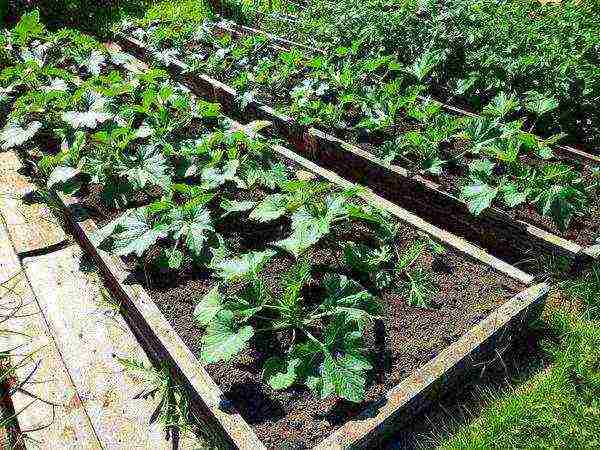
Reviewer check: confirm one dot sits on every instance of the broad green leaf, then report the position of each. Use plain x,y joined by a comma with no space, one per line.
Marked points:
481,169
209,307
479,196
13,135
347,375
512,196
149,166
244,267
539,104
95,114
175,259
223,339
280,373
28,28
307,231
213,177
62,175
234,206
349,298
137,234
272,207
196,234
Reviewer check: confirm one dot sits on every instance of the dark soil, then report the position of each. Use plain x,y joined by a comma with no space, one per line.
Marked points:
407,338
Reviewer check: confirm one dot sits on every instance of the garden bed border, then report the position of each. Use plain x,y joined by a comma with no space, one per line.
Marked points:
494,227
413,394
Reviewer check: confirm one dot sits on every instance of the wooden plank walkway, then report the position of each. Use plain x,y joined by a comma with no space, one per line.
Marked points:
30,224
91,335
50,414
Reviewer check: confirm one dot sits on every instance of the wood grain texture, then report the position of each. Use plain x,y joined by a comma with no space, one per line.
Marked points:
49,410
31,225
90,335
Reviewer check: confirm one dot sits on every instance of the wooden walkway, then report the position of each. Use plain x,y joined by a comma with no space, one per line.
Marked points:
64,336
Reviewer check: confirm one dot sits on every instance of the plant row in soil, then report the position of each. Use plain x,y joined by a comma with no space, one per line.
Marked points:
304,302
485,160
478,50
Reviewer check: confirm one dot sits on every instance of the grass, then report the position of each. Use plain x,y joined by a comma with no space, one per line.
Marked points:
559,406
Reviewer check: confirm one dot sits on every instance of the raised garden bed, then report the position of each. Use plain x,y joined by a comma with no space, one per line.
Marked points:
263,279
425,350
503,232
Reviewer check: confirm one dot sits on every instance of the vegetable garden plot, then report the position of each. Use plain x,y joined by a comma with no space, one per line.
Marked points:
560,187
301,279
478,49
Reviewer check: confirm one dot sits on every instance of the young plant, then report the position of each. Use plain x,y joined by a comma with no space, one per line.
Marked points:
325,348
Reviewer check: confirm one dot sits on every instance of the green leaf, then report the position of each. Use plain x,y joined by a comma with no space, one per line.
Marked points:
349,298
196,233
137,234
61,175
13,135
347,376
272,207
209,307
561,203
280,373
244,267
234,206
512,196
419,287
411,255
149,166
539,104
307,231
481,169
223,340
479,196
213,177
28,28
94,116
175,259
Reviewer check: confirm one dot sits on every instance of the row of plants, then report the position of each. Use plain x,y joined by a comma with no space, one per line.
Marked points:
481,49
171,180
374,101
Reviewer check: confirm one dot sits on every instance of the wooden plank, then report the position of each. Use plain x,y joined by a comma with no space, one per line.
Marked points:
31,225
90,335
414,393
50,414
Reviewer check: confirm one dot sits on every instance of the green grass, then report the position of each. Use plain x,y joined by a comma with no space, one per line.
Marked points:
188,10
558,407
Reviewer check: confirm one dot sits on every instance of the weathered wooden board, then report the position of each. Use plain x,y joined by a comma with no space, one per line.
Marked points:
31,225
91,335
50,414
